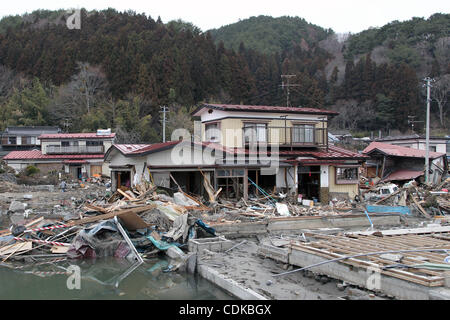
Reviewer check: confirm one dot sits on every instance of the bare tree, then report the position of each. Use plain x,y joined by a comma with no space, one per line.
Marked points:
88,84
439,92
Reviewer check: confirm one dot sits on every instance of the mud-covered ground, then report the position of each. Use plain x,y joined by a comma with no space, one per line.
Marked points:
252,271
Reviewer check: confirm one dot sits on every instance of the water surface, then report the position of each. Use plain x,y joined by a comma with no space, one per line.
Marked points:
106,279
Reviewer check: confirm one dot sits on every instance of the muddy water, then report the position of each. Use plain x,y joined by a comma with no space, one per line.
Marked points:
105,279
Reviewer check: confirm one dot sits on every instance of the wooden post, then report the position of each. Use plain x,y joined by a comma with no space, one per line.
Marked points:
382,168
245,184
256,181
285,180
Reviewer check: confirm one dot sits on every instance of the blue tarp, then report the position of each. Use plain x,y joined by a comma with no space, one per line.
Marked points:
206,227
388,209
161,245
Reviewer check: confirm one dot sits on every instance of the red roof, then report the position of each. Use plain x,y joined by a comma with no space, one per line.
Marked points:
37,155
403,175
89,135
399,151
238,107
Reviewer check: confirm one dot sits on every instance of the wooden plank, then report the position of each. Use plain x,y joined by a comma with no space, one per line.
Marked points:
16,247
59,249
111,215
424,230
125,195
425,214
408,276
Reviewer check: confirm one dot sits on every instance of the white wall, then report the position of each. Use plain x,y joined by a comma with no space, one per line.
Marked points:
324,178
291,176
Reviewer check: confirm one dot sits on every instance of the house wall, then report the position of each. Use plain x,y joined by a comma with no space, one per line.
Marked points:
340,190
47,167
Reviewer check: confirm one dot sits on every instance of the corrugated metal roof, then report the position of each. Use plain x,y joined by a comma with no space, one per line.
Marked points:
399,151
88,135
403,175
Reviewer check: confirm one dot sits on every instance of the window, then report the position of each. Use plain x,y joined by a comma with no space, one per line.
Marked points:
212,132
432,148
255,132
94,143
346,175
12,140
303,133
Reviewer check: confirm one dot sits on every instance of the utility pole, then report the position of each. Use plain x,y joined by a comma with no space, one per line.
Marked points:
288,76
164,111
427,151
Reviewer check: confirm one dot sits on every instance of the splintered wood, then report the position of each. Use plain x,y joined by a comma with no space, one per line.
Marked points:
332,247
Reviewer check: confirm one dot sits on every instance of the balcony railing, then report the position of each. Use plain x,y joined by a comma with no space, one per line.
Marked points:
297,136
73,149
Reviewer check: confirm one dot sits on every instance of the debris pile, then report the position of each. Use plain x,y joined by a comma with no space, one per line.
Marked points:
133,224
427,200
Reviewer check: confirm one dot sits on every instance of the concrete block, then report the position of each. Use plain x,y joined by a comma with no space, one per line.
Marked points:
216,244
229,285
17,206
175,253
275,253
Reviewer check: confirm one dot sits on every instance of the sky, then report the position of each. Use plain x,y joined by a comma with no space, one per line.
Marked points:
340,15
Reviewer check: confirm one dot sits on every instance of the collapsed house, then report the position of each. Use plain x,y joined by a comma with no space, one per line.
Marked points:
245,151
397,163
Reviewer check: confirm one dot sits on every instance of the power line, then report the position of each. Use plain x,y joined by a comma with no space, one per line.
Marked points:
288,85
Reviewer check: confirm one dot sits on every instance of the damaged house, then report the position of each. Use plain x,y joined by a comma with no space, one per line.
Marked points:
394,163
78,154
245,150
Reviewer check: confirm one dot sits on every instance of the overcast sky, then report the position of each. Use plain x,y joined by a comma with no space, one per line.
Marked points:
340,15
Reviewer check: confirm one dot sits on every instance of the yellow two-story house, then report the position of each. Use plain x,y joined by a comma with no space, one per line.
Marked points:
307,165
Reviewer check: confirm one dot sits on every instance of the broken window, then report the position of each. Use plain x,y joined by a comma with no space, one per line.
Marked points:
346,175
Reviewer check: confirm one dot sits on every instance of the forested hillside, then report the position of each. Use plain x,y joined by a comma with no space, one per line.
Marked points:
120,67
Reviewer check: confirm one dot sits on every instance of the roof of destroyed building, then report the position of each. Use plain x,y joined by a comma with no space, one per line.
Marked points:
253,108
403,175
333,152
399,151
37,154
88,135
141,149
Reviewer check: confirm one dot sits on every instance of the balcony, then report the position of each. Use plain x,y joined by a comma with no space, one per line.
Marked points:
297,136
56,149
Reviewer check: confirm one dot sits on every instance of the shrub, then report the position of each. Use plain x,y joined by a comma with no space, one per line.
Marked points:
31,170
